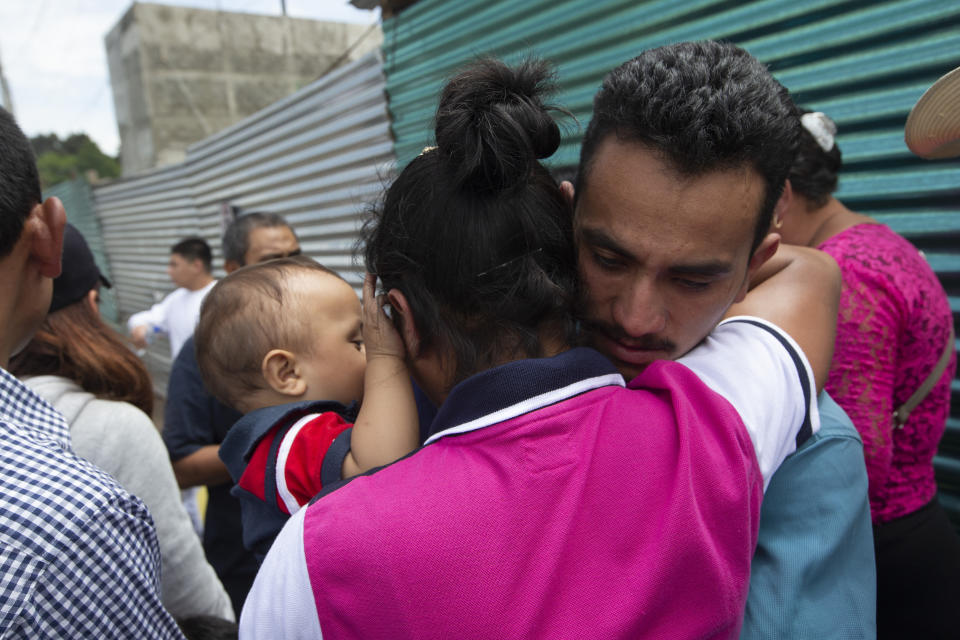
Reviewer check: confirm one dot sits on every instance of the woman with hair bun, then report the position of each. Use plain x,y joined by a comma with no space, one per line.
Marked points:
891,373
549,500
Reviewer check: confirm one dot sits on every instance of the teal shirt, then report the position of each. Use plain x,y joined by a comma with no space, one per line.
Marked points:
813,573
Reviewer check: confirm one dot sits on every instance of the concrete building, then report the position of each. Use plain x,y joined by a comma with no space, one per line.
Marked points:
180,74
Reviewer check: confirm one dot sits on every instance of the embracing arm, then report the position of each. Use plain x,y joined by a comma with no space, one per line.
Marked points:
798,290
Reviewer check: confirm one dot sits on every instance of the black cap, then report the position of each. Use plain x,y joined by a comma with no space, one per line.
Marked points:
80,273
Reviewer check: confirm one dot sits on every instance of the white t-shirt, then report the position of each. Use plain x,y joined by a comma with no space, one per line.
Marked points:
176,315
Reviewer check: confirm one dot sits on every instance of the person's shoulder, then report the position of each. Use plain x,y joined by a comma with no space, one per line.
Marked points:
834,421
185,377
111,428
65,395
55,489
281,603
746,352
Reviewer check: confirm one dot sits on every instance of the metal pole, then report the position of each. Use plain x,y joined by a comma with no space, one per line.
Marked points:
283,7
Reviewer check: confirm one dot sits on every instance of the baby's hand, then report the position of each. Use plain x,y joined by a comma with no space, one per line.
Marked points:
380,338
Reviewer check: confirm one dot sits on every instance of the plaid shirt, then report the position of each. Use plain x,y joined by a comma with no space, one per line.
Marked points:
78,555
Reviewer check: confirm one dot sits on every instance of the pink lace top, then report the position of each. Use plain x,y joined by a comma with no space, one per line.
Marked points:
893,325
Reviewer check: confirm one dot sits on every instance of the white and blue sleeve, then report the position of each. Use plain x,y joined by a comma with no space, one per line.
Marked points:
764,374
281,603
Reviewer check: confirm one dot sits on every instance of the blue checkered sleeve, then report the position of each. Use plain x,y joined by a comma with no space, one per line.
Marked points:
78,555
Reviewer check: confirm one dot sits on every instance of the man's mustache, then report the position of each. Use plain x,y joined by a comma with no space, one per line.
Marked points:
614,332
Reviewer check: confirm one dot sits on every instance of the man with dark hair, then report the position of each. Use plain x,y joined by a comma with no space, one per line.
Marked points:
176,315
679,194
256,237
195,423
79,557
193,249
705,137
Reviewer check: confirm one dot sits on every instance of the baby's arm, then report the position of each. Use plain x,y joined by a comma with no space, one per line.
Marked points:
387,427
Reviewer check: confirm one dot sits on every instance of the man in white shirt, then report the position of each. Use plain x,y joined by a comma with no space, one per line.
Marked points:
177,314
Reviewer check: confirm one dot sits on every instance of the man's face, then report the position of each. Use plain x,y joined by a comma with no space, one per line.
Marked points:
661,256
268,243
183,271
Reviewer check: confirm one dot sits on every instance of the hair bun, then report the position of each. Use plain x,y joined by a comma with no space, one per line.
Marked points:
492,125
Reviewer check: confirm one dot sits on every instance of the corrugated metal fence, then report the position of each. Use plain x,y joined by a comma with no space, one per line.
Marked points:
316,157
864,63
78,202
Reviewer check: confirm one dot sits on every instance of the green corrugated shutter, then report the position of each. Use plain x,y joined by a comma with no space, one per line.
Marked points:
864,63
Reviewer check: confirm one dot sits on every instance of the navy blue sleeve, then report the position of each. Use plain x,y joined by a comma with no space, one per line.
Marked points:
331,470
192,417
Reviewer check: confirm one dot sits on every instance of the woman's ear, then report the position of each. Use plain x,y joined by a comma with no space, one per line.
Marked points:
566,188
279,369
782,208
93,299
404,321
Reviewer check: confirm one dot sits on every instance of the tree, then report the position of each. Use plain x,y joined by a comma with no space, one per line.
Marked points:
60,160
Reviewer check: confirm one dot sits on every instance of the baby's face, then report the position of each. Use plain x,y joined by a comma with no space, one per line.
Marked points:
330,311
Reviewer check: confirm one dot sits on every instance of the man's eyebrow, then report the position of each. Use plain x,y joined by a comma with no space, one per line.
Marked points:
599,238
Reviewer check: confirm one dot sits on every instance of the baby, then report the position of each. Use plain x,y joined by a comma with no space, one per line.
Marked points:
285,343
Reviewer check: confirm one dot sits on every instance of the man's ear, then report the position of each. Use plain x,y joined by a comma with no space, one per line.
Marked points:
566,188
404,321
231,265
279,369
45,225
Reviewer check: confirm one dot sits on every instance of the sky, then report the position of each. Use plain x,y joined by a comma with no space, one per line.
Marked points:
54,60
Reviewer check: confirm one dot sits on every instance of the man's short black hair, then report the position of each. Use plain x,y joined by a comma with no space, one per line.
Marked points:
703,106
194,249
19,182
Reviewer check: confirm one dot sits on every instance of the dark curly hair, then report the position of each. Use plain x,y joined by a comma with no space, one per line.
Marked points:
476,233
704,106
814,171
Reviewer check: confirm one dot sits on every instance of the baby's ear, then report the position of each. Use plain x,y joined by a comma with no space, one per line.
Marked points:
279,369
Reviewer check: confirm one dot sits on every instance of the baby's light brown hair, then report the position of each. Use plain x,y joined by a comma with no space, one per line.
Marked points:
245,315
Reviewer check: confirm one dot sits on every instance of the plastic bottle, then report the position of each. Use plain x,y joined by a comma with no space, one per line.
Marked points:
149,337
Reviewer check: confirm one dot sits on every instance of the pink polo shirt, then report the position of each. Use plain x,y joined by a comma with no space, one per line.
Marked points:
552,502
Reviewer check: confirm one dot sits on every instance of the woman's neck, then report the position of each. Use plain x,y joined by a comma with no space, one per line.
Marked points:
434,375
831,219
